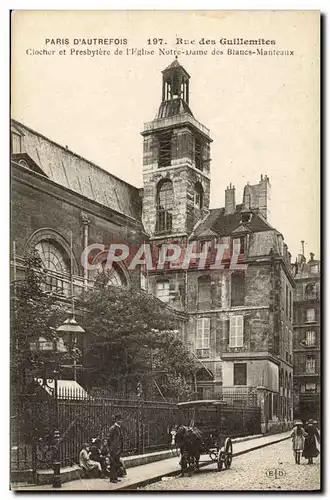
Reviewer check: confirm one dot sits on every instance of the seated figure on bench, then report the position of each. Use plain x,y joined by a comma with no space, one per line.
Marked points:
88,466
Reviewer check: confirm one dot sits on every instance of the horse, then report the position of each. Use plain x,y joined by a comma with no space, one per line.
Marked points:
190,441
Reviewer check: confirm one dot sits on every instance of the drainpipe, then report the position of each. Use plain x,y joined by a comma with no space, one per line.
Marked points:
85,221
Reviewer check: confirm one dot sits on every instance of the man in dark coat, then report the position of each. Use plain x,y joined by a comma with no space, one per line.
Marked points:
310,448
115,443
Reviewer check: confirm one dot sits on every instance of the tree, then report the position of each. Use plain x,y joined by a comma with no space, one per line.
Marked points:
131,337
34,314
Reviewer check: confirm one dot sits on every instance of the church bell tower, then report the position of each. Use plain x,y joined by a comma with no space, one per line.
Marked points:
176,162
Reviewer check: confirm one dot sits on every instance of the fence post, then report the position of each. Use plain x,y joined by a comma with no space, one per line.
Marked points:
139,419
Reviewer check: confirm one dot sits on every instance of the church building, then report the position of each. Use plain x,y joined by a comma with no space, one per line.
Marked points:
237,320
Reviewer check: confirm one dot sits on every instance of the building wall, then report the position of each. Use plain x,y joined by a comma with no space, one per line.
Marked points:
259,373
38,204
307,385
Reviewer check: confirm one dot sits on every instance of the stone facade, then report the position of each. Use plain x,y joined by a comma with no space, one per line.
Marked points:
307,338
239,326
237,323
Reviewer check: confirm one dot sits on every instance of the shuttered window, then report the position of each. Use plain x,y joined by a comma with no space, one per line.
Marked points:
236,331
203,333
310,315
310,365
310,338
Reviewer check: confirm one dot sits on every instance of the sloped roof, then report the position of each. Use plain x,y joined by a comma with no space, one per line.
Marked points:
225,224
175,65
65,389
173,107
78,174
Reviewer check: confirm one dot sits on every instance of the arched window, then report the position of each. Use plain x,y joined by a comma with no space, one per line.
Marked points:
204,292
56,261
165,204
109,277
198,196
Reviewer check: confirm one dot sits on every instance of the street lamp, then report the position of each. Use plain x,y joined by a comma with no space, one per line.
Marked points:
50,350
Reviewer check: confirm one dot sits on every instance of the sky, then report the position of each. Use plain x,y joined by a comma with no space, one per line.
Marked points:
263,111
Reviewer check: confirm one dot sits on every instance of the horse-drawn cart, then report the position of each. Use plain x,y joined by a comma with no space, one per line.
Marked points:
206,418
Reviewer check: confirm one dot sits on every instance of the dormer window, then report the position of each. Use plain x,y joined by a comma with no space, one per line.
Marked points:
314,268
16,143
246,217
241,241
205,245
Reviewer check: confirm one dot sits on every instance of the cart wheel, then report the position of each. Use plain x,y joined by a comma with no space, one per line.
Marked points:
228,453
220,460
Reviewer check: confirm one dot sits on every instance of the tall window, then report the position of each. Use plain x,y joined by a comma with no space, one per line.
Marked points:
198,154
204,292
198,196
286,300
203,337
310,364
165,203
236,331
56,262
237,288
310,290
163,291
290,305
165,150
310,338
240,374
310,315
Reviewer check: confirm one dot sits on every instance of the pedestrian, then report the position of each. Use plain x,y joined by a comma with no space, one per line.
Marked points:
298,437
173,434
86,463
310,447
105,461
96,455
115,444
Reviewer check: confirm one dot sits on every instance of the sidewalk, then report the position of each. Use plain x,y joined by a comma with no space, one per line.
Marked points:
144,474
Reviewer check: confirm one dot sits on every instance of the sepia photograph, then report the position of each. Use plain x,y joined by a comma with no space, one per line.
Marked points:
165,260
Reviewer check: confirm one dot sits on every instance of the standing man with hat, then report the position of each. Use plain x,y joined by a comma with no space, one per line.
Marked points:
310,448
115,443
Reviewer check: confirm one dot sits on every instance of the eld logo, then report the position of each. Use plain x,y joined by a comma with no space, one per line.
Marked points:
275,473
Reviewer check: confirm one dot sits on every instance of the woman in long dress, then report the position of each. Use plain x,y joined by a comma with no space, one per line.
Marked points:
310,447
298,437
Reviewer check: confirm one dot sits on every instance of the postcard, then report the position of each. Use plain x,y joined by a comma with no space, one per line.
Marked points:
165,250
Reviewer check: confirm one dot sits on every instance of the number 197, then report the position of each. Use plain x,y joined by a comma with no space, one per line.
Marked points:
155,41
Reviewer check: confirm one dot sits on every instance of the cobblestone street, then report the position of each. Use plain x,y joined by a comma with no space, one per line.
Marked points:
249,472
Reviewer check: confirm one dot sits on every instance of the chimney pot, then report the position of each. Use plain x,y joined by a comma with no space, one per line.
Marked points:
230,203
312,255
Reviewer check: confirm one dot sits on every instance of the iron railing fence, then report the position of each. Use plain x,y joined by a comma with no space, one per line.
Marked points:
80,418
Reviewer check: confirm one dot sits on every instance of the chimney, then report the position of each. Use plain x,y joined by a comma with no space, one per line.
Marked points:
230,204
264,197
312,256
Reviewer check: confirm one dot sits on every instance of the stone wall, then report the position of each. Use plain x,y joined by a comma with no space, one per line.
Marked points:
38,204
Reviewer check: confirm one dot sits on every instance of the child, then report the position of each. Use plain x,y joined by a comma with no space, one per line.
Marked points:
298,437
